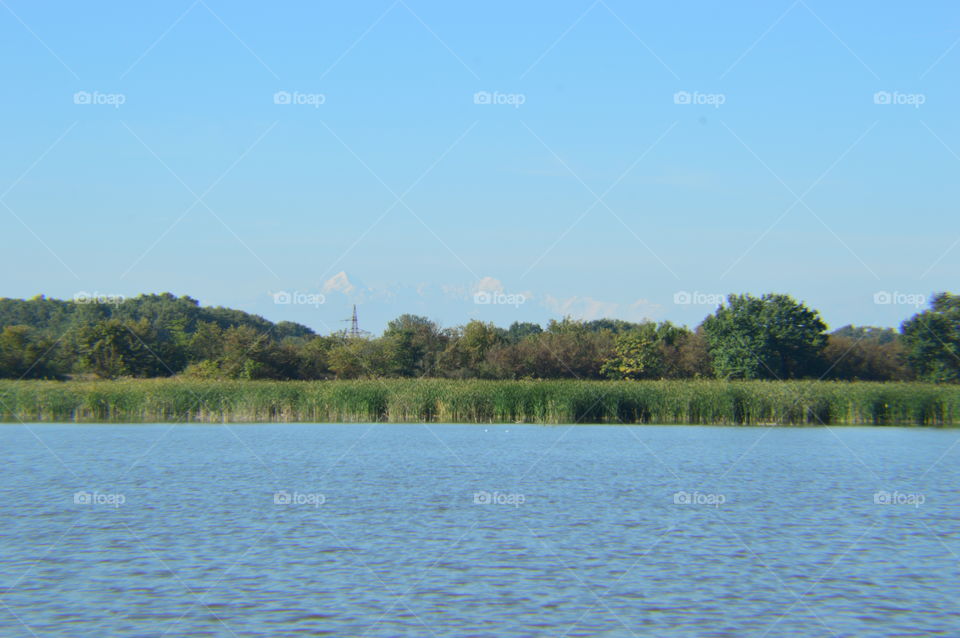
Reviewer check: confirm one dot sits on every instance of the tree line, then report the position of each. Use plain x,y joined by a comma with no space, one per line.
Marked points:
771,336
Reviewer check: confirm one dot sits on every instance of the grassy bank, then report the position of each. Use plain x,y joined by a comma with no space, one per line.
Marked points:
436,400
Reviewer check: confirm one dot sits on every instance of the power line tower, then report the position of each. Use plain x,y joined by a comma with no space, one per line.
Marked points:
355,330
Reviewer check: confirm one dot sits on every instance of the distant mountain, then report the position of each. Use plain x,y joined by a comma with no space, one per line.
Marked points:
339,283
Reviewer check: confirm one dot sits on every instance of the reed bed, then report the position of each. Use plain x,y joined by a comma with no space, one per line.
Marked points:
448,401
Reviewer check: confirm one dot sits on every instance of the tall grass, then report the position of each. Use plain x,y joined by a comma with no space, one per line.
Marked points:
437,400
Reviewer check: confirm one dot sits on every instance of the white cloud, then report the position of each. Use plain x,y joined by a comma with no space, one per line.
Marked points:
489,284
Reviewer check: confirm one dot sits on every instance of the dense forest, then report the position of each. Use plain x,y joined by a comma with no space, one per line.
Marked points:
767,337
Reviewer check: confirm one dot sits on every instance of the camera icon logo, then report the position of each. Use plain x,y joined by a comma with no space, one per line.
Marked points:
882,298
482,298
882,97
882,497
282,97
681,97
682,298
482,97
82,97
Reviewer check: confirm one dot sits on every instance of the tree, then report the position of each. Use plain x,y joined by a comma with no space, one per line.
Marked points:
851,359
360,358
690,358
521,330
932,339
249,354
25,355
314,357
865,353
206,342
414,344
770,337
648,351
119,348
637,355
567,349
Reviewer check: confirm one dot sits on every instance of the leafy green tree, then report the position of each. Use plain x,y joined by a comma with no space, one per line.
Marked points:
690,358
872,334
173,318
414,344
637,355
770,337
25,355
116,348
932,340
465,355
647,351
360,358
314,357
616,326
521,330
865,359
206,342
566,349
249,354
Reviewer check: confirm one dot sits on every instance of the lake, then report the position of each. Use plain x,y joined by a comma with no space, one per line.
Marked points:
474,530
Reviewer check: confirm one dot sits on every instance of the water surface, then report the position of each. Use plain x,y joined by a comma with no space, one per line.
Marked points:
472,530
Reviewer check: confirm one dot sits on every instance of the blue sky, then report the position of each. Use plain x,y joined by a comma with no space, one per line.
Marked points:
621,159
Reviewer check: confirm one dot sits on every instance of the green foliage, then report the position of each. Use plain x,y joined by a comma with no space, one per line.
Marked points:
871,334
413,344
657,351
121,348
867,357
932,339
25,355
361,359
566,349
479,401
314,357
519,331
248,354
637,355
466,353
770,337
